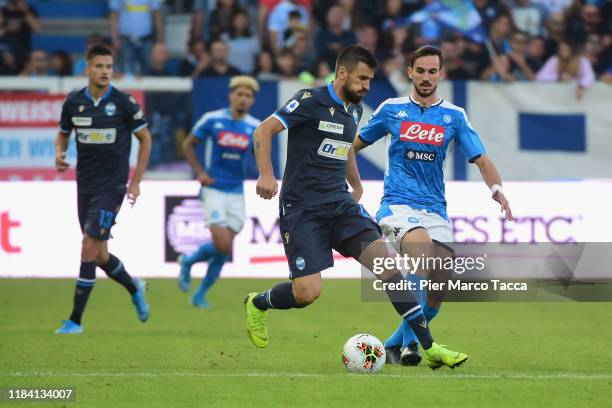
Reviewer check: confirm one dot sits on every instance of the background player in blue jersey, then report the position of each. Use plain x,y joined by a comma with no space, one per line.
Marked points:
413,209
317,213
103,119
229,135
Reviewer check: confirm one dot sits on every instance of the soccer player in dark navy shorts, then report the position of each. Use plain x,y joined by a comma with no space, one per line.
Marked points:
317,212
103,120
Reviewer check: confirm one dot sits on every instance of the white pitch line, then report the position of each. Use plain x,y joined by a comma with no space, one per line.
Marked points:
519,376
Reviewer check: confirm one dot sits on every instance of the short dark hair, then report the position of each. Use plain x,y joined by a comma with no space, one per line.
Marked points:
98,49
352,55
424,51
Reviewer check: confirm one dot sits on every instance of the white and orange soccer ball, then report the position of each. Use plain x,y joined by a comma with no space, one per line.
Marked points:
363,353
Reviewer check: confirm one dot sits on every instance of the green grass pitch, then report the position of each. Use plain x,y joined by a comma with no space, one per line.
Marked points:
521,354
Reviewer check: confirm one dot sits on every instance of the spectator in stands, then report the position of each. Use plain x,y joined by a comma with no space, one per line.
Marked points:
501,28
264,9
278,22
489,11
452,61
219,65
598,56
159,61
265,70
554,6
286,64
555,33
568,65
393,16
353,16
512,65
583,21
19,20
243,46
61,63
369,39
536,53
528,17
8,62
134,28
37,65
220,20
295,25
303,52
333,38
474,56
196,61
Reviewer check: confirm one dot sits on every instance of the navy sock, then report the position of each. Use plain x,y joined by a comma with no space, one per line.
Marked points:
408,307
84,286
115,270
279,297
212,274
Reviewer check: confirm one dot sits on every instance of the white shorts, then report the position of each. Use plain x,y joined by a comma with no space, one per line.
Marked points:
395,220
223,209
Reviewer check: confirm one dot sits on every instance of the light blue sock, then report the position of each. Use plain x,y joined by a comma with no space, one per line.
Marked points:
396,338
212,274
408,335
430,312
201,254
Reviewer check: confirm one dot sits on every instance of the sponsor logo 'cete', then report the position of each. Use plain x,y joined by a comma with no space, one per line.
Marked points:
422,133
235,140
420,156
334,149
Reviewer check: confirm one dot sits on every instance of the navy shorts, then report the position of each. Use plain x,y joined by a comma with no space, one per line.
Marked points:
98,211
309,234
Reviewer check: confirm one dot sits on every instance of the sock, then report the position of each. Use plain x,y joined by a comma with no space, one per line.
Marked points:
212,274
430,312
408,335
84,286
279,297
406,306
395,340
419,294
115,270
203,253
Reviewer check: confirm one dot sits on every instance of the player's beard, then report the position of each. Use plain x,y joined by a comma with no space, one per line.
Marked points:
425,94
352,97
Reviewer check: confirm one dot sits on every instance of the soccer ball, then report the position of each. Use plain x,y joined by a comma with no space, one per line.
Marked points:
363,353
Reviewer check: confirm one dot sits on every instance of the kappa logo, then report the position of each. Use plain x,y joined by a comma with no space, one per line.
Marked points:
401,114
306,95
332,110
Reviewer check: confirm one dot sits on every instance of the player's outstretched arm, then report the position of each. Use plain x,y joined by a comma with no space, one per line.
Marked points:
267,187
491,176
144,152
61,145
189,151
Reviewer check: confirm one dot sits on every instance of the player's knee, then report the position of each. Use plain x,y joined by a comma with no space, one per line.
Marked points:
89,248
305,295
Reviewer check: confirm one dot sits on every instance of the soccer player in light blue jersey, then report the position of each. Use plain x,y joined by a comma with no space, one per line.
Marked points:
228,134
413,209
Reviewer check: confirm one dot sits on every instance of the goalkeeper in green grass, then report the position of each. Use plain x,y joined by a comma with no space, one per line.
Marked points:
317,212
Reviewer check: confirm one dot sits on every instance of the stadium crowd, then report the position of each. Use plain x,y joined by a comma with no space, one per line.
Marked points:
543,40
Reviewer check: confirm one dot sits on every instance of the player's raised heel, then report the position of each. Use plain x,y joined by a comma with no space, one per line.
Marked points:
69,327
256,320
410,355
184,278
139,300
437,356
